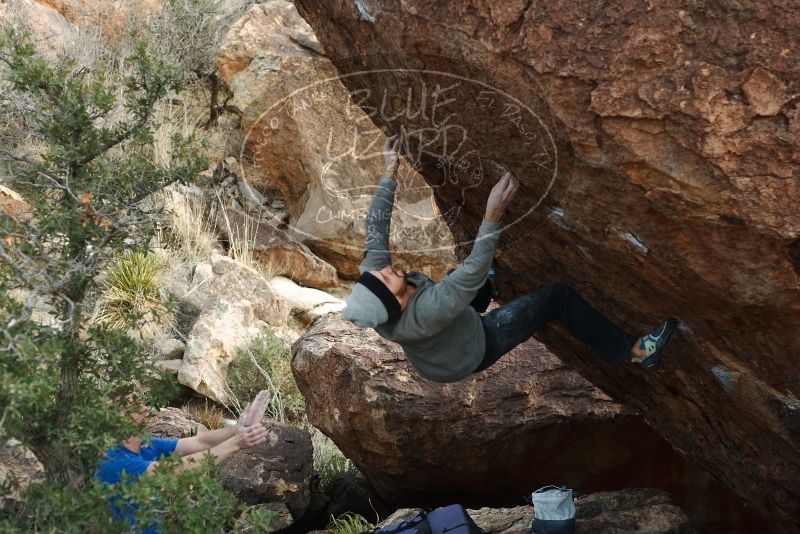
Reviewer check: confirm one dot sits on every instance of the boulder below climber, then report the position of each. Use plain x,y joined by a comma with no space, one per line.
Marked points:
526,422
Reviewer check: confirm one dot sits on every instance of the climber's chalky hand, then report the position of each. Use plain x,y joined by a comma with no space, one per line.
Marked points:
501,196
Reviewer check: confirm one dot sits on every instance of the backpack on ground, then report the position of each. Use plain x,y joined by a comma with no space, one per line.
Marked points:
553,510
451,519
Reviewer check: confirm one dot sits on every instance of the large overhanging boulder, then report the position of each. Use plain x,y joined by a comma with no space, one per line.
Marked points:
657,144
304,136
526,422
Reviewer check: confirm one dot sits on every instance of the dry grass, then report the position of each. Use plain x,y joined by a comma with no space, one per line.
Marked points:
209,415
241,238
180,115
189,232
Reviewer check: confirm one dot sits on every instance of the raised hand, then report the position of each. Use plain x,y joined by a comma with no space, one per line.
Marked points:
501,196
254,412
261,404
391,157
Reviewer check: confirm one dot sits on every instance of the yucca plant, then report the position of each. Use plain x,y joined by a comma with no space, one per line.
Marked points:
349,523
130,295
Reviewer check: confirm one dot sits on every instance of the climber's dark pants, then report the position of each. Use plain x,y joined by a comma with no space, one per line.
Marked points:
514,322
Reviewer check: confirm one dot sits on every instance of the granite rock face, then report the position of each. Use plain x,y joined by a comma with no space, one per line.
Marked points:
278,470
495,434
235,305
304,136
657,144
173,423
54,23
279,251
18,462
49,28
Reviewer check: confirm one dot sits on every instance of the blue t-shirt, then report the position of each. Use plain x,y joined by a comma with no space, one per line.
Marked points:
118,459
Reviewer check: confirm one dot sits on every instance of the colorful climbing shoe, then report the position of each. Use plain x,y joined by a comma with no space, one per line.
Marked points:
492,276
653,344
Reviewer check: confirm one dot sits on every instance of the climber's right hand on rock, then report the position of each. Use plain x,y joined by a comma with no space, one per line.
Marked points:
391,155
501,196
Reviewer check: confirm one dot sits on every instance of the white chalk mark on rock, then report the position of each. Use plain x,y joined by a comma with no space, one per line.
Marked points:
559,217
364,11
636,242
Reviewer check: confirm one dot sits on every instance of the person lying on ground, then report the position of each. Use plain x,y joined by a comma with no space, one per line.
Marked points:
138,456
440,326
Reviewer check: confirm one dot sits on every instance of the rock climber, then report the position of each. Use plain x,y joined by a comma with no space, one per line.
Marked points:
440,326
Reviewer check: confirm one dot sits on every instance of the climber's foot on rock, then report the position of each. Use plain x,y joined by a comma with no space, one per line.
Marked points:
649,349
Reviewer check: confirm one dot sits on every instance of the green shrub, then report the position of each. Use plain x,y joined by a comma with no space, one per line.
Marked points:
190,501
349,523
329,461
267,364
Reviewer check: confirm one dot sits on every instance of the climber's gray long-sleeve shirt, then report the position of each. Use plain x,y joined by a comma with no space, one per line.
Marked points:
441,334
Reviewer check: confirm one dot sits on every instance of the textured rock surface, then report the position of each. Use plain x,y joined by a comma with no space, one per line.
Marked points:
306,302
17,461
279,251
663,139
526,422
173,423
308,140
216,337
278,470
110,16
630,511
48,26
415,439
13,205
170,348
236,304
280,522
